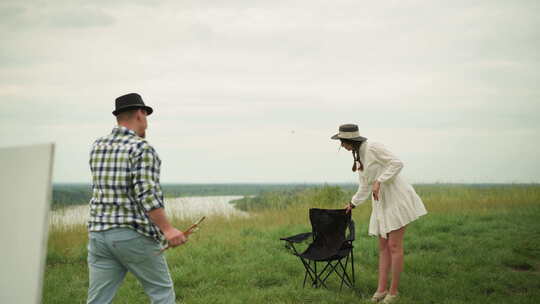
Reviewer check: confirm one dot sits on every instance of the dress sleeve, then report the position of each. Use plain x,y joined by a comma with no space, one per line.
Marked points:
146,166
364,190
391,164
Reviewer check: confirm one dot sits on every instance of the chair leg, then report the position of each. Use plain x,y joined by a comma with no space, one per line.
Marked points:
305,278
316,275
346,279
342,279
342,275
308,272
317,281
340,270
321,281
319,277
352,266
332,269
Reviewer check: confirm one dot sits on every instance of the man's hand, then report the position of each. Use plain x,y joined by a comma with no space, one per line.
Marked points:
375,189
174,237
349,207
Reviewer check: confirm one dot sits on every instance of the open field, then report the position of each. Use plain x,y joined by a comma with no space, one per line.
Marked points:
476,245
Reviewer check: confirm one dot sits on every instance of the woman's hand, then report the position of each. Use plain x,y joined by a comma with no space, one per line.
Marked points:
375,190
349,207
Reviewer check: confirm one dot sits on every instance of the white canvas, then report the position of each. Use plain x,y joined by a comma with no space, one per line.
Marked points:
25,191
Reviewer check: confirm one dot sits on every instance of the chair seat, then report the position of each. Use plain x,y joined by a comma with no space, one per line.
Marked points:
316,256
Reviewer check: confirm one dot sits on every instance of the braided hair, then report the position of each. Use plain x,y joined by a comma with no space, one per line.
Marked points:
357,165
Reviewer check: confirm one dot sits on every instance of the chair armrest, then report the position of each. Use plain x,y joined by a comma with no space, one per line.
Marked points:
297,238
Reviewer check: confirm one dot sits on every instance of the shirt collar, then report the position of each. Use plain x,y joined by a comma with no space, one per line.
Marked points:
121,130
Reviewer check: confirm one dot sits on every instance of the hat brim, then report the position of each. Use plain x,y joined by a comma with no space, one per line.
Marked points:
146,108
359,138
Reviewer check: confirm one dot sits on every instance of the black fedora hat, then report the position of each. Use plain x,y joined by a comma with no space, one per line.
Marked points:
350,132
129,102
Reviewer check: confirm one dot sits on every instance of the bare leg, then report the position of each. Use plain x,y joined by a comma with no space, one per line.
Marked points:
385,263
395,244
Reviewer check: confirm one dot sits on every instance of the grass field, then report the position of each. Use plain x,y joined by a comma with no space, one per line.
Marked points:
476,245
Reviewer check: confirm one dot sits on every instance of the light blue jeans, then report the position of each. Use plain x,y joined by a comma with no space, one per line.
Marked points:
112,253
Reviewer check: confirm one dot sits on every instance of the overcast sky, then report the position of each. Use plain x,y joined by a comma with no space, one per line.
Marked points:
251,91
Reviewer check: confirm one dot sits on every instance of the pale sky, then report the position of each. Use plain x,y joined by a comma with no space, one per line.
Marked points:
251,91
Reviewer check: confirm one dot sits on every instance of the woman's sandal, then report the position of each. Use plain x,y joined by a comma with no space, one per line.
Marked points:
378,296
390,298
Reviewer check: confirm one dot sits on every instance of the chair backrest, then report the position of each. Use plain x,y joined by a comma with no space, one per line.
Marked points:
329,227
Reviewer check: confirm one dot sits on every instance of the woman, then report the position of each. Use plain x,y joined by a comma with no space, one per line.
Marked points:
394,203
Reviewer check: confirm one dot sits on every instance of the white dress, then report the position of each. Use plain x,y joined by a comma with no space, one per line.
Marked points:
398,203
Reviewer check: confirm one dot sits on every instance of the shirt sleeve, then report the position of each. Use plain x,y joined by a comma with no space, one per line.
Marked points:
146,166
364,190
391,164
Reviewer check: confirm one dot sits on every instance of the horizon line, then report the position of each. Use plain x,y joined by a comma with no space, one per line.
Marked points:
321,183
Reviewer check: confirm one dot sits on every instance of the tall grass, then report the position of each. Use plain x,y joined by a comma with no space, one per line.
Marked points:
438,198
464,199
476,245
325,196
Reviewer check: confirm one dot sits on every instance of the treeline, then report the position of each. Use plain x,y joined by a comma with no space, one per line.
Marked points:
71,194
77,194
445,195
179,190
325,196
262,196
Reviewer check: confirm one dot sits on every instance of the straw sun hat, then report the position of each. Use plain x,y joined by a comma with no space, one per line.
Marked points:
350,132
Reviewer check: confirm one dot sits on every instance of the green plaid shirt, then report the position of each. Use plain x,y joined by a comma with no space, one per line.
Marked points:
125,183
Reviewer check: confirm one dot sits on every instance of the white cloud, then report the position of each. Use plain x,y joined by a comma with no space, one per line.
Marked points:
251,91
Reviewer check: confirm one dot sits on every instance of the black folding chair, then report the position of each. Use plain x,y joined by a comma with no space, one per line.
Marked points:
329,246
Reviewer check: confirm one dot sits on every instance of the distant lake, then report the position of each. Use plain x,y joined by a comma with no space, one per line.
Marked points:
180,208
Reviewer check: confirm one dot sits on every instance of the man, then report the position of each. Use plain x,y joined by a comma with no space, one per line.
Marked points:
127,220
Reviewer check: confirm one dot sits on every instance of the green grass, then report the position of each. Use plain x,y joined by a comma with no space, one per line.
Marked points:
476,245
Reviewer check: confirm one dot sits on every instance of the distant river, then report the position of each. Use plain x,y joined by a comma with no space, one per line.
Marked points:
180,208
